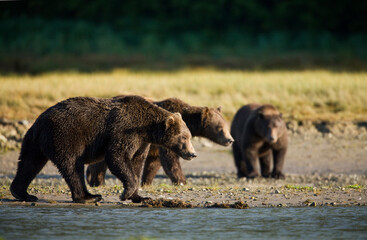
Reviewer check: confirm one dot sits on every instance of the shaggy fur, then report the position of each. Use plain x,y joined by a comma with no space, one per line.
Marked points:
202,121
84,130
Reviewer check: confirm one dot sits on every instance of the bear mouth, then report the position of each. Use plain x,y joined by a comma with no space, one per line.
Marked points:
227,142
189,156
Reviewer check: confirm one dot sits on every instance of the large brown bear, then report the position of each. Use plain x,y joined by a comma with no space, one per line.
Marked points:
259,133
202,121
83,130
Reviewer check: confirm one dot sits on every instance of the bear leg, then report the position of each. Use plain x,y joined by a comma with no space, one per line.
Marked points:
279,156
125,173
138,161
265,162
128,170
74,177
151,166
251,163
31,162
171,165
96,174
239,162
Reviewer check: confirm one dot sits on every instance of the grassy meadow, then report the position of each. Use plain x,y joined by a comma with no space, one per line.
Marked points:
300,95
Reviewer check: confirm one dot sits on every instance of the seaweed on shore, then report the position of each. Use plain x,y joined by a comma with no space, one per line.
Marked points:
166,203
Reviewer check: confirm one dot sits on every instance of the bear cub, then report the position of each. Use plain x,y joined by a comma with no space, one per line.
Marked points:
260,134
85,130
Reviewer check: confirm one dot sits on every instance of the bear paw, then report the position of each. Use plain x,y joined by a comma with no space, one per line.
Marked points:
253,174
278,175
23,197
91,198
266,175
139,199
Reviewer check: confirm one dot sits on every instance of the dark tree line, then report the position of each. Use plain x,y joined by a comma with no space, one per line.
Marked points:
338,17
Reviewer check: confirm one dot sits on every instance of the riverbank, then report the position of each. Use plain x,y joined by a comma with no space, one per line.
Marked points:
322,169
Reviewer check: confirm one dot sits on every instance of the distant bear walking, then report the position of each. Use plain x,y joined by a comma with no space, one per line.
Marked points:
260,133
84,130
201,121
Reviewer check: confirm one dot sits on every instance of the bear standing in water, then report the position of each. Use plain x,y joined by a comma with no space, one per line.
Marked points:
84,130
201,121
260,133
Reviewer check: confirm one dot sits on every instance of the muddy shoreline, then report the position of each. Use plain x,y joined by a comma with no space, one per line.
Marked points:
326,165
212,190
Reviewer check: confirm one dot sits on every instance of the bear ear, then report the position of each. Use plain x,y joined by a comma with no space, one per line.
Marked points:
219,109
206,113
178,114
169,122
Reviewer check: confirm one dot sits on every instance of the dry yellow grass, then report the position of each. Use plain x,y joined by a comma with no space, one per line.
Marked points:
313,95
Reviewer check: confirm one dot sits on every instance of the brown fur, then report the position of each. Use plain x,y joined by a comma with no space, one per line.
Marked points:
260,133
85,130
202,121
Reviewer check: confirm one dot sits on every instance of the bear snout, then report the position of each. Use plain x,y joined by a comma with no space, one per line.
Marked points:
189,155
228,141
272,139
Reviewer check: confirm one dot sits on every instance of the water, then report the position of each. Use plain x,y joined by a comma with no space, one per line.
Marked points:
26,222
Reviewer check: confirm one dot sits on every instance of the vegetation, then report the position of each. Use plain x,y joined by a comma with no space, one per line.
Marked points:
355,186
300,95
296,187
240,34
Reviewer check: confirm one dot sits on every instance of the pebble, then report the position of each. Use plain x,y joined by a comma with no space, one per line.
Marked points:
276,191
24,122
313,204
3,138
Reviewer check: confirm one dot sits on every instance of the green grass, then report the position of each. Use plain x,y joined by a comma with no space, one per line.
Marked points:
355,186
307,188
300,95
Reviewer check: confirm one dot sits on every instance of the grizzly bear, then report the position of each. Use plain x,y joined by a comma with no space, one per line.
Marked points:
259,133
202,121
84,130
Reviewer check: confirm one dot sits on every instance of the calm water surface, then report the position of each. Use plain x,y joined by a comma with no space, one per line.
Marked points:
26,222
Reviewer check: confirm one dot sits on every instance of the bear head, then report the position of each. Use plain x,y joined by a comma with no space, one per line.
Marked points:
178,137
215,127
269,123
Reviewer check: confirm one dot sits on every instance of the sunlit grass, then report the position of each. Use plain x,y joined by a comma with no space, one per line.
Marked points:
354,186
296,187
313,95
